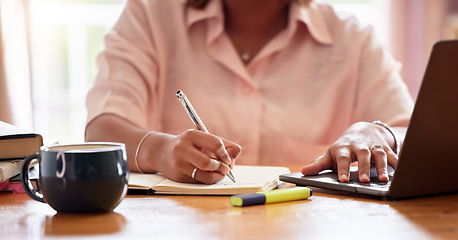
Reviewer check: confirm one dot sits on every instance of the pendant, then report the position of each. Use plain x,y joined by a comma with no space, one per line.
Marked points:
246,55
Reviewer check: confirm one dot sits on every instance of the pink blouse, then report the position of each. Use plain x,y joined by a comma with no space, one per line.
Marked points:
318,76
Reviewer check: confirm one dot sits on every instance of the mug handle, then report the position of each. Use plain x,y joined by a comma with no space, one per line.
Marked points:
25,178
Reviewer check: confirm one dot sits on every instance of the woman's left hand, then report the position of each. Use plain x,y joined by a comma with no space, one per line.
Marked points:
363,142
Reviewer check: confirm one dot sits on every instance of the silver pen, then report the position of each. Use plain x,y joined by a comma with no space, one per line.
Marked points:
196,120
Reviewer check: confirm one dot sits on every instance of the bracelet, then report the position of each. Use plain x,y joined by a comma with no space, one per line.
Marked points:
138,148
397,145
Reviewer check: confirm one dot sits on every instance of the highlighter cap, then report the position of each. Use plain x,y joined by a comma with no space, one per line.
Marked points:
248,199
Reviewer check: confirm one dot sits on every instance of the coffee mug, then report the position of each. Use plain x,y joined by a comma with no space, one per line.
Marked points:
78,178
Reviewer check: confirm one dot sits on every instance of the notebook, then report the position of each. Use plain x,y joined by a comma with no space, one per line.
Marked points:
249,179
428,161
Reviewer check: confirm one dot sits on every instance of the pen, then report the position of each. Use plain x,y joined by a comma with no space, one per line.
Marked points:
196,120
274,196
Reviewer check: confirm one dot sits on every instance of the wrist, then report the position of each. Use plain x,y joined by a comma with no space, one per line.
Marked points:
151,152
396,143
137,152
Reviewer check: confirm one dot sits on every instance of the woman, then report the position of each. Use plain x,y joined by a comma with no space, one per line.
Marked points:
277,77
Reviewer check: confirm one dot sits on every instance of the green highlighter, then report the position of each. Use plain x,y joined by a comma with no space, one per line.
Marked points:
274,196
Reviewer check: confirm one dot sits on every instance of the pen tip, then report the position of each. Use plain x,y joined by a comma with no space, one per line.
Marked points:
231,176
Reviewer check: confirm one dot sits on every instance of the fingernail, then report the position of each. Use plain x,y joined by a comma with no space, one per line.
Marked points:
384,177
364,178
343,177
226,159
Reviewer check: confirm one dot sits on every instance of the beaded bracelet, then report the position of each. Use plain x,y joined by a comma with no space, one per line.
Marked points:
138,148
397,144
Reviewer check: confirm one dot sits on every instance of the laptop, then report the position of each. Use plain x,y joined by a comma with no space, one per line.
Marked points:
428,160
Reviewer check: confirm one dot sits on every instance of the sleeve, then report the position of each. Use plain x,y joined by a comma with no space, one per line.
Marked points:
127,69
382,94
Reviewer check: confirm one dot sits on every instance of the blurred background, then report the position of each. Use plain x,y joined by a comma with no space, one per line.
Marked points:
48,52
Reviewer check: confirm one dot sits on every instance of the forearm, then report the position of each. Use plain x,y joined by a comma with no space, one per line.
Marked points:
111,128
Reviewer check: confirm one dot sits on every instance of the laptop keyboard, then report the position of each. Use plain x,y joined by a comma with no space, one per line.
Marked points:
374,182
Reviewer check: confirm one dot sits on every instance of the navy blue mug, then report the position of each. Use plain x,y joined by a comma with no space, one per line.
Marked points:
78,178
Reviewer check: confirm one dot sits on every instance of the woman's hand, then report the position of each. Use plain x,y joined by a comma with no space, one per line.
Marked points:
363,142
175,156
210,155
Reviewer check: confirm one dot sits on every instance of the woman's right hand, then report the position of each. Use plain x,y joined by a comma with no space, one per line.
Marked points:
178,155
175,156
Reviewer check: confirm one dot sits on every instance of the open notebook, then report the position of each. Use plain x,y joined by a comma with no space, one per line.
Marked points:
249,179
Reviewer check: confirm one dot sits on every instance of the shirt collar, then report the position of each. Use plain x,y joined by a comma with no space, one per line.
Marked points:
213,10
315,20
312,16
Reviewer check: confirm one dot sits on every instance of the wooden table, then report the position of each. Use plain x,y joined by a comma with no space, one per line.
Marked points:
325,215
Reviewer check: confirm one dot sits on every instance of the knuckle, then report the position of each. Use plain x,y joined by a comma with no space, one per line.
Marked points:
343,157
218,146
209,164
392,154
205,165
188,134
238,148
362,151
363,169
337,146
382,170
379,152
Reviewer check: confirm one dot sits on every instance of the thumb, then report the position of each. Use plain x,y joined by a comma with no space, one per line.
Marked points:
321,163
233,149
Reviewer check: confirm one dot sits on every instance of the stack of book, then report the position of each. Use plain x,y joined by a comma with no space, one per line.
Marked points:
15,145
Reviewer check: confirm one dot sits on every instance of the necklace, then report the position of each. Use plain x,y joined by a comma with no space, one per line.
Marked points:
246,55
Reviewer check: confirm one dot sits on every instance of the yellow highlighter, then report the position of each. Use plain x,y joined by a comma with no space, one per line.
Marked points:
274,196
